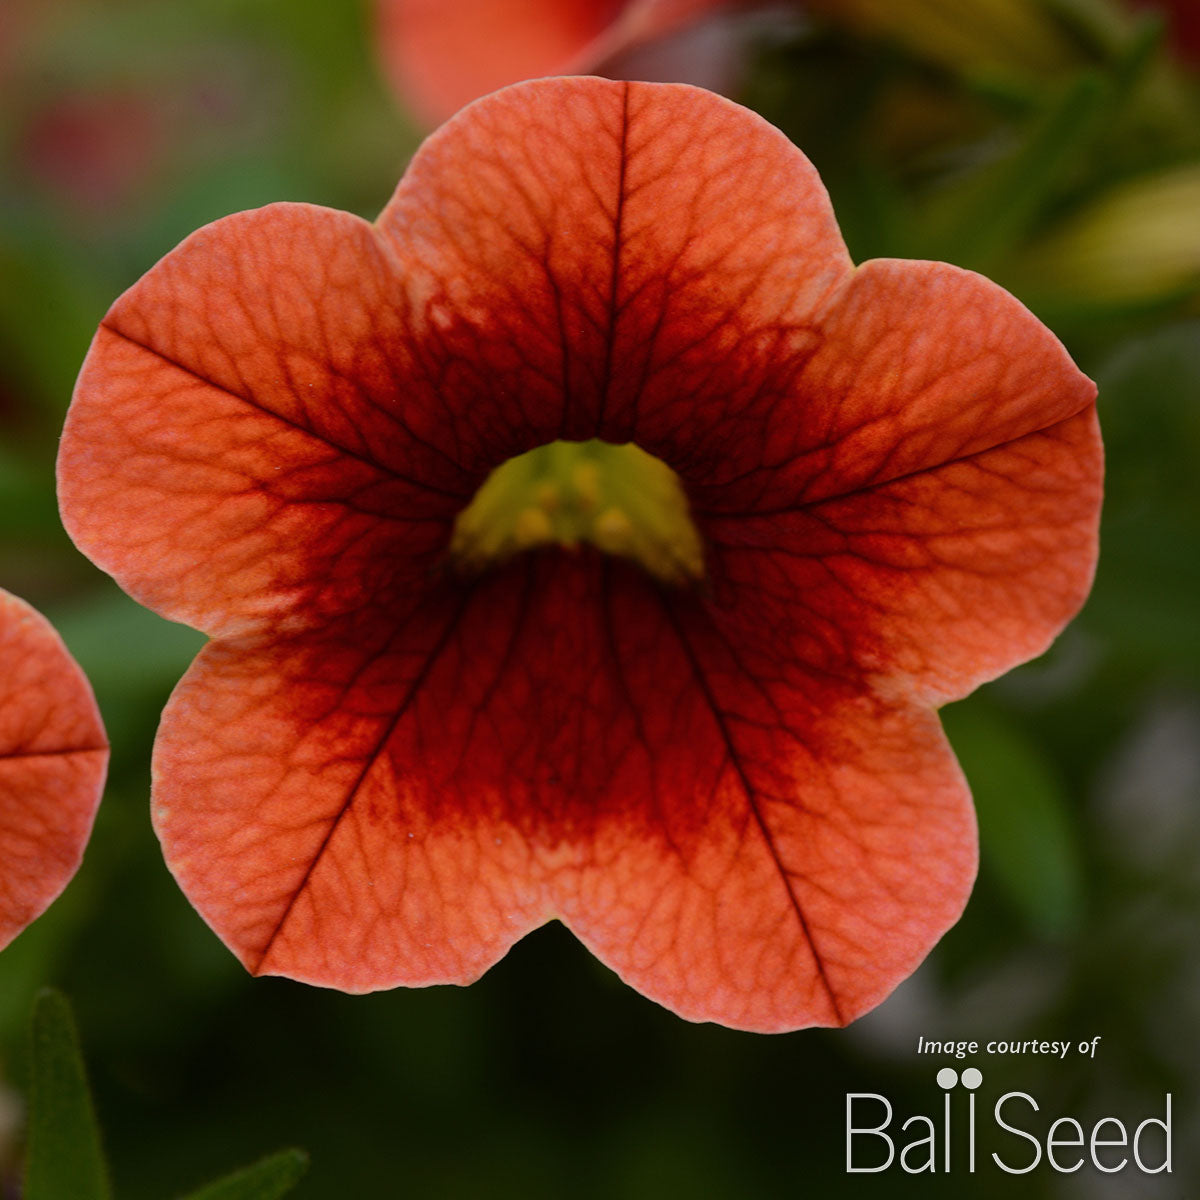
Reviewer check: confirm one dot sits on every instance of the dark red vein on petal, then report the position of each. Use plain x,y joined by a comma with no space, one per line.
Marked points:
751,801
615,276
25,755
458,497
864,488
371,759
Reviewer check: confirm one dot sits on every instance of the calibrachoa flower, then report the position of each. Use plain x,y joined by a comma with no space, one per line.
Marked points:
585,538
439,56
53,756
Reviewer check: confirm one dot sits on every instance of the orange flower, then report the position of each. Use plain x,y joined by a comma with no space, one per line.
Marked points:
53,757
586,538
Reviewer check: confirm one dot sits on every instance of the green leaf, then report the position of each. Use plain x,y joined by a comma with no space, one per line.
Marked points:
1027,842
64,1159
267,1179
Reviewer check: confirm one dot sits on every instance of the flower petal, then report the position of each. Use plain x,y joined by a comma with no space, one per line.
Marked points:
53,758
236,453
935,582
363,808
914,364
798,847
295,798
834,856
625,261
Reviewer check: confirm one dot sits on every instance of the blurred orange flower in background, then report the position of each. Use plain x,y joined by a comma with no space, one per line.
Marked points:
440,56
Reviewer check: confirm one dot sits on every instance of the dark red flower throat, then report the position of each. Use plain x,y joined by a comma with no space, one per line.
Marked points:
617,498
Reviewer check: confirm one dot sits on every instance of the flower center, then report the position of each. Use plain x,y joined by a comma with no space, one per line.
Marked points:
619,498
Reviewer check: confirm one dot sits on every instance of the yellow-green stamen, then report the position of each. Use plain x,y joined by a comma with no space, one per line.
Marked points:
619,498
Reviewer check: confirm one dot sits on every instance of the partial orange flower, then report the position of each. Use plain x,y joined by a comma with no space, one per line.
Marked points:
586,538
440,56
53,757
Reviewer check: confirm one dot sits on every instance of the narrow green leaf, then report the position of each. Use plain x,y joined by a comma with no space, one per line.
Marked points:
1027,842
267,1179
64,1159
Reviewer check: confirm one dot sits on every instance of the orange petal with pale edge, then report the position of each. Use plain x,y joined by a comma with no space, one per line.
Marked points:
53,757
937,582
910,366
594,259
239,401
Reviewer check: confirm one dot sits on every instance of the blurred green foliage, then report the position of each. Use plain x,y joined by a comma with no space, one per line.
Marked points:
64,1159
267,1179
63,1154
548,1078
